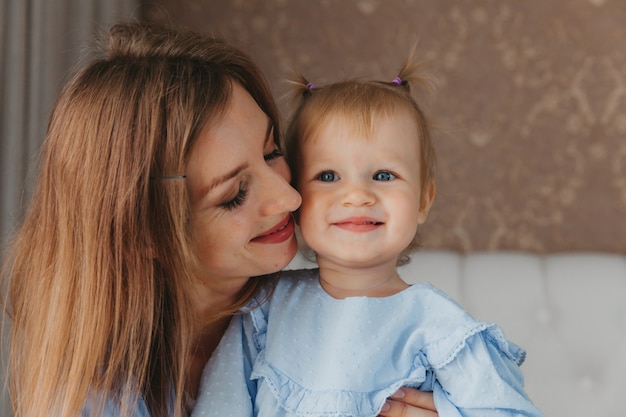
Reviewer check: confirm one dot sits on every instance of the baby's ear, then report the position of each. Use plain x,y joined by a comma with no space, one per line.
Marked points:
426,201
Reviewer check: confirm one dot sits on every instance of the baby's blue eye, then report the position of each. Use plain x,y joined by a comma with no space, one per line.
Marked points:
384,176
327,176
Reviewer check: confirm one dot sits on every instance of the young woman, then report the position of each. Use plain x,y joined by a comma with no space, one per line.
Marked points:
162,190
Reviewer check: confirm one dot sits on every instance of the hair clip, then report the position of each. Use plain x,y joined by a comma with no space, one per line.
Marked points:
308,89
397,81
168,177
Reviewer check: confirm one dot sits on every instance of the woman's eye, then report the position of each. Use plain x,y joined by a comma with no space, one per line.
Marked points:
384,176
276,153
238,200
328,176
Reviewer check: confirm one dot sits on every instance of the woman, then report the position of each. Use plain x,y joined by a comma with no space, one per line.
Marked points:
162,190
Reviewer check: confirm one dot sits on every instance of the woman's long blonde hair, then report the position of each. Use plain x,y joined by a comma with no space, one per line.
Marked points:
99,273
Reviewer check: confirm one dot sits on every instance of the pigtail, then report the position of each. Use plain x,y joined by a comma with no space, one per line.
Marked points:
300,88
414,73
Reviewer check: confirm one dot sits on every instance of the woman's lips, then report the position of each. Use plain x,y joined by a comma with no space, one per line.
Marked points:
358,224
279,233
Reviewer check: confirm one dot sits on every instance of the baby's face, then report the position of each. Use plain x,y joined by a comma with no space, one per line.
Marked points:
361,194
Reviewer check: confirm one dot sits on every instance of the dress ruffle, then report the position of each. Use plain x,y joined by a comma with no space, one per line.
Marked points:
300,400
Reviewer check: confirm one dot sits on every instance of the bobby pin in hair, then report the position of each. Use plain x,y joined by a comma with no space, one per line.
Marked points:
169,177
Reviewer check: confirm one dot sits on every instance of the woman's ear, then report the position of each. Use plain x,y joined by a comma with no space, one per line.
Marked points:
426,201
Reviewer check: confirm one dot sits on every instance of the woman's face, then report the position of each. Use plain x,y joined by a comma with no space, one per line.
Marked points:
240,197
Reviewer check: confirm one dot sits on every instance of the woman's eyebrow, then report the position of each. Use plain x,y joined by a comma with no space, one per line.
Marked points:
235,171
222,179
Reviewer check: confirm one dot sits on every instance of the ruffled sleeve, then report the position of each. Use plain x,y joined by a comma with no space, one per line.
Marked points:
482,378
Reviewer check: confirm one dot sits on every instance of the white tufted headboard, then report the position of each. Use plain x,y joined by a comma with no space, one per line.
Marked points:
568,311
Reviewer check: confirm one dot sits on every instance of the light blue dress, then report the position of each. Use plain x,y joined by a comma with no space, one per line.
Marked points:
304,353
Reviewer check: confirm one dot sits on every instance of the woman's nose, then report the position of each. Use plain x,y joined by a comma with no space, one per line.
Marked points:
279,196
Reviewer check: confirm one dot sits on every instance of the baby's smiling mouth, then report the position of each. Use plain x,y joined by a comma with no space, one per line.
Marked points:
358,224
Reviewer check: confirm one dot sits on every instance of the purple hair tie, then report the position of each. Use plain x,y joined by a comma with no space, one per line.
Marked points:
397,81
310,86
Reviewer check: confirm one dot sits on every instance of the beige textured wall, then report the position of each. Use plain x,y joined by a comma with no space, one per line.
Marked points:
532,98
